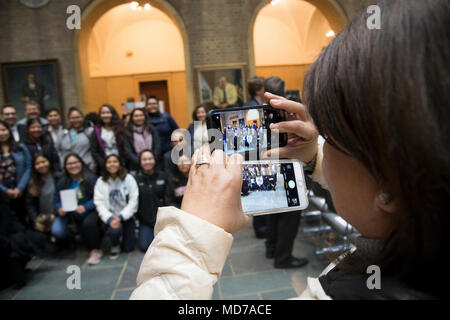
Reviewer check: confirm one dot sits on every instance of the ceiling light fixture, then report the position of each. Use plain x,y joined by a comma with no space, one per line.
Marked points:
139,5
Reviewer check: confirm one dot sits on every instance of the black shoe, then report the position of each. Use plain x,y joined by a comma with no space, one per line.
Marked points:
260,235
292,263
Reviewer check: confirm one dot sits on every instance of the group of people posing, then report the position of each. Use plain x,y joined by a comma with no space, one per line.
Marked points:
122,172
245,137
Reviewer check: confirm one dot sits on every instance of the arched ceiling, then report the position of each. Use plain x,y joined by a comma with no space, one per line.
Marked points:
125,41
291,32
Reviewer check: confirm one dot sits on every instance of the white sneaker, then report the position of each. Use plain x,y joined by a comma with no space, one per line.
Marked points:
115,251
95,257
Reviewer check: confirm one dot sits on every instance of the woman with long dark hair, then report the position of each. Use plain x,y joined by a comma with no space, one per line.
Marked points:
77,176
116,199
39,141
15,170
199,134
379,98
155,190
75,139
40,195
140,135
107,137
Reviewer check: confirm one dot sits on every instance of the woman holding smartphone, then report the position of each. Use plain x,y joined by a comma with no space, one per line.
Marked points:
385,161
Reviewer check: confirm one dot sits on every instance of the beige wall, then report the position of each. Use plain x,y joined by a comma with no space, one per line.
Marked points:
116,89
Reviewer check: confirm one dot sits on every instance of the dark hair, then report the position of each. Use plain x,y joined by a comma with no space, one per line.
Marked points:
116,122
254,85
74,109
148,126
29,123
152,97
92,119
87,178
7,106
194,113
122,173
381,96
51,110
275,85
32,103
85,171
13,145
36,183
144,151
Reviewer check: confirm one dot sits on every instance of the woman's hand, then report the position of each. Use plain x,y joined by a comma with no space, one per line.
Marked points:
61,212
14,193
115,223
213,192
80,209
302,133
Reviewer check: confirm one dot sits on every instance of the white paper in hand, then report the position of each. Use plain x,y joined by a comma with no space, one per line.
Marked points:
68,199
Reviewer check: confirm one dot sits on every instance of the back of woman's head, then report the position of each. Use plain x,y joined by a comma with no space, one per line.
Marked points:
382,97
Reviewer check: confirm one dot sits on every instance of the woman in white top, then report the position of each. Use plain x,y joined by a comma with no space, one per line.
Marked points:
116,198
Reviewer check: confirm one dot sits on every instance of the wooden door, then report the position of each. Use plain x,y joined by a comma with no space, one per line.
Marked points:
157,89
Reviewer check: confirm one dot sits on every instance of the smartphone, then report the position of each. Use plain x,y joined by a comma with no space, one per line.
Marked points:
245,130
270,187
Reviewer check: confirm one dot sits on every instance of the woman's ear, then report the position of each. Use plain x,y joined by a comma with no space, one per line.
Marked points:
384,202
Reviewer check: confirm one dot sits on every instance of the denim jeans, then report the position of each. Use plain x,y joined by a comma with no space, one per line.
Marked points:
146,235
127,232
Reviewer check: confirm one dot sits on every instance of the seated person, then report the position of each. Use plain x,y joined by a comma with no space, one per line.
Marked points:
116,200
77,176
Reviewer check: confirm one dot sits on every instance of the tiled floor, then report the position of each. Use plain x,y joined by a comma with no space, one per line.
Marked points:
247,274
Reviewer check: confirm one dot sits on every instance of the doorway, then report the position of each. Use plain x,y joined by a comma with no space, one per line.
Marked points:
157,89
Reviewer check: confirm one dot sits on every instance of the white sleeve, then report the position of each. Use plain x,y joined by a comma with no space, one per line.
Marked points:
184,260
101,200
133,196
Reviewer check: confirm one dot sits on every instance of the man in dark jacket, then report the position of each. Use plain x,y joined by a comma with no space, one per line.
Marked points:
163,122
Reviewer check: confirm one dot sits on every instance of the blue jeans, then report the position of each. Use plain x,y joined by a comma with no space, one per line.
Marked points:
89,229
146,235
126,232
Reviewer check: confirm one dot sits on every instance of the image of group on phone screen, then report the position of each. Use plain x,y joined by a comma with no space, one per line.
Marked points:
243,131
263,187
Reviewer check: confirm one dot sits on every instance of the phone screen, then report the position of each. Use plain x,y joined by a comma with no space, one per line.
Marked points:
247,130
271,187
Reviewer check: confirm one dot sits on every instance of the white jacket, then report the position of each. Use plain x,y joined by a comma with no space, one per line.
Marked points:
187,255
128,188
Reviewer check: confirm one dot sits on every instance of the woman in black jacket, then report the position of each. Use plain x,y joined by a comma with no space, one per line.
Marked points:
107,137
39,141
155,191
139,136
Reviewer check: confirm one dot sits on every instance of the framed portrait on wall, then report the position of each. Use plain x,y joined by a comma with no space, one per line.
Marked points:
223,85
32,80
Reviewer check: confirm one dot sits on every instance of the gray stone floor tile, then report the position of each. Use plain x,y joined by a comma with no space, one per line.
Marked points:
253,283
283,294
123,295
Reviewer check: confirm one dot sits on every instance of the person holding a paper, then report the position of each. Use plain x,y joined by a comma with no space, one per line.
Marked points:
116,198
74,201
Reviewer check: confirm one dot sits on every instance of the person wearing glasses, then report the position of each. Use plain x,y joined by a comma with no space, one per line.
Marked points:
77,176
